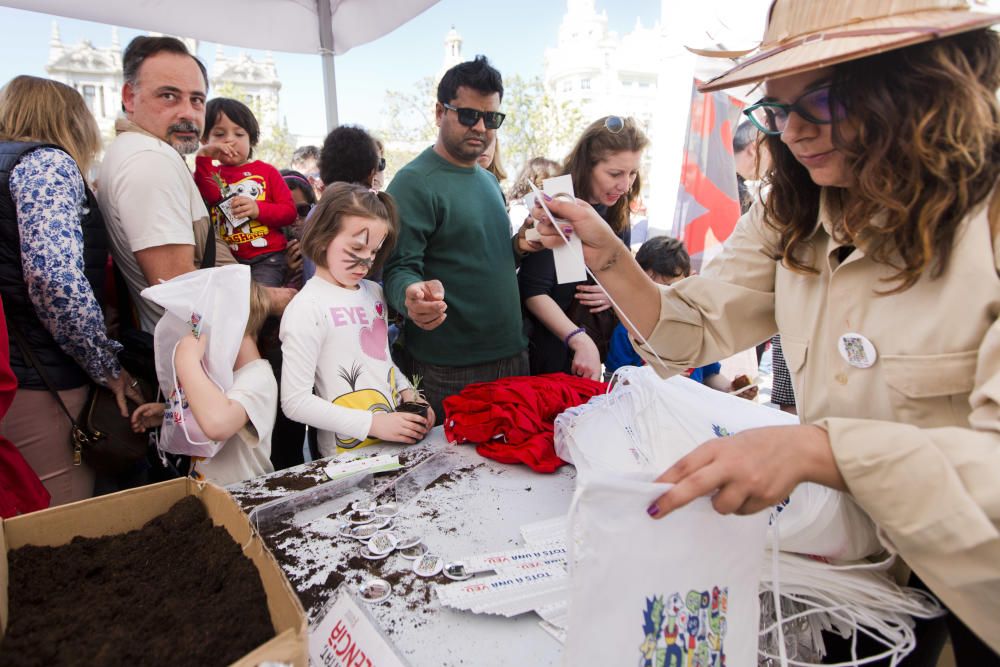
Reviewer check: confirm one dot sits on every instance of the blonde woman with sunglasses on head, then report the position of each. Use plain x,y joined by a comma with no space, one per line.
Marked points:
875,258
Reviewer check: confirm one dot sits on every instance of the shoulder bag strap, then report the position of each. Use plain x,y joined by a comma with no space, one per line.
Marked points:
78,435
208,257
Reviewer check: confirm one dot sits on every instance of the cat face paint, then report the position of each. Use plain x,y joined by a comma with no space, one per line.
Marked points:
351,254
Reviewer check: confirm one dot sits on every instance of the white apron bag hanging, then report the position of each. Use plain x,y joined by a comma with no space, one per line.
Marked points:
675,592
213,302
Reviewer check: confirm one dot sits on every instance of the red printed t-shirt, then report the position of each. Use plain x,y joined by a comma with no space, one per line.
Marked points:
257,180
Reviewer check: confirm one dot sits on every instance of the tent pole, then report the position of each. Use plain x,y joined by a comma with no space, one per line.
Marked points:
326,57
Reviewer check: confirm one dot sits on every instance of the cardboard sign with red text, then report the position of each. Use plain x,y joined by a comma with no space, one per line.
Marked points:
347,636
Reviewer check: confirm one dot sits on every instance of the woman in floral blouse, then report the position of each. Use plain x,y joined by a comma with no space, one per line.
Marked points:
53,255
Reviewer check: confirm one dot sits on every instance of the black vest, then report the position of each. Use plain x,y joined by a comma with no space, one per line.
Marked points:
60,368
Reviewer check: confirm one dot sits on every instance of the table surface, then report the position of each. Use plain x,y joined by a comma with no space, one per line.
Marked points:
478,507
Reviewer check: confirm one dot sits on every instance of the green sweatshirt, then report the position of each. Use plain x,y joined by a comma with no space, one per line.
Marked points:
454,228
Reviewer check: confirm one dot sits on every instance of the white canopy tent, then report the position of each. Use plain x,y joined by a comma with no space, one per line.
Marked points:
323,27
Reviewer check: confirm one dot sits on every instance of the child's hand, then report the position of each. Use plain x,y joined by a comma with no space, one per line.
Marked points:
740,381
218,151
147,415
398,427
244,207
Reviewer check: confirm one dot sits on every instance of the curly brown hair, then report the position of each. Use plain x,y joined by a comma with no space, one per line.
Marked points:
926,152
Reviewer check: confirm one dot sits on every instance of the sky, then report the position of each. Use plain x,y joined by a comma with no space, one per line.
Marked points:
514,37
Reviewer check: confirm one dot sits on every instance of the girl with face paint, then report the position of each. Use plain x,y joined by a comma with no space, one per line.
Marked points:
334,333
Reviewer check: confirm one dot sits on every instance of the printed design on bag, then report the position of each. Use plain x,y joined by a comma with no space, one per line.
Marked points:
251,231
374,339
720,431
371,400
685,632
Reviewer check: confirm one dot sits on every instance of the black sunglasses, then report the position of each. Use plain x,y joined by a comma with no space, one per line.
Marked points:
381,164
302,210
469,117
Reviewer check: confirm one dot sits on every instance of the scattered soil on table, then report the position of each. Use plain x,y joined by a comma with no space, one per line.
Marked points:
297,481
449,478
179,591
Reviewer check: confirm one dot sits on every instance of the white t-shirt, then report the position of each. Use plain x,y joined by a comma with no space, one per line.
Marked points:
148,198
337,340
248,453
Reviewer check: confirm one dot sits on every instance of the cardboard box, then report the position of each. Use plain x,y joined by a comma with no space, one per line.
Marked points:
129,510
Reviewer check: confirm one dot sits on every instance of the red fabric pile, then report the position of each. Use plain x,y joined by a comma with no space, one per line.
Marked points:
511,420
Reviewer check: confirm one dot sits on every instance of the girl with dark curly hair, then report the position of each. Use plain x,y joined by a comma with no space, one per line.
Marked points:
876,257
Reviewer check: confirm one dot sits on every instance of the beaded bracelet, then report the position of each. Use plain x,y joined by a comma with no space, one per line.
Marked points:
578,330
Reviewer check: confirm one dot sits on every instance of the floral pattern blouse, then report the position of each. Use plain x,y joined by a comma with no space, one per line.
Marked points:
50,199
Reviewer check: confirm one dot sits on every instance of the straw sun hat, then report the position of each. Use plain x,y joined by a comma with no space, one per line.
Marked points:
803,35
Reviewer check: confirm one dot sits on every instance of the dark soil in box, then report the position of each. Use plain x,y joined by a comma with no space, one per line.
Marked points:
177,592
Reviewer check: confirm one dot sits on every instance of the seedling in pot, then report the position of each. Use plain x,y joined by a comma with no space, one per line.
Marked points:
418,406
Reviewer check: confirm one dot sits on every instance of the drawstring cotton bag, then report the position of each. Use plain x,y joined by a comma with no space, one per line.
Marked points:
213,302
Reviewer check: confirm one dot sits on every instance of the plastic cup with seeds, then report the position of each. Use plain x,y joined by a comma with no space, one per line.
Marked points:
388,510
375,590
428,565
407,541
414,552
359,517
345,530
382,543
457,571
383,522
364,531
363,505
367,553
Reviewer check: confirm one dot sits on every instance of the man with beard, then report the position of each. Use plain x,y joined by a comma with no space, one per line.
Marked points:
452,274
157,222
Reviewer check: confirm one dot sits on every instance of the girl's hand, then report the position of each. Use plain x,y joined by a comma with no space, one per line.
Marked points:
146,416
191,347
398,427
244,207
586,358
750,471
580,218
523,244
593,297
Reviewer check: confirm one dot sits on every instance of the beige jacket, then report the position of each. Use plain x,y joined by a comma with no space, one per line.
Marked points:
917,435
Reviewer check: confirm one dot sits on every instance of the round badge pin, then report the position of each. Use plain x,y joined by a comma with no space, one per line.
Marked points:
367,553
387,510
363,505
359,517
382,543
407,541
414,552
857,350
364,531
428,565
375,590
457,571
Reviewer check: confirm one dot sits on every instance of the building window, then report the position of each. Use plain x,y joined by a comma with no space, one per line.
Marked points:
584,84
566,85
90,96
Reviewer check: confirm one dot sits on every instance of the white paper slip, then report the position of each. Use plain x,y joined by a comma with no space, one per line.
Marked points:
568,258
545,532
556,633
346,635
495,561
384,463
506,595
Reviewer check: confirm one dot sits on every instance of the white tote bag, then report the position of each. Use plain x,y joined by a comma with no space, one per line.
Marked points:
645,424
676,592
213,302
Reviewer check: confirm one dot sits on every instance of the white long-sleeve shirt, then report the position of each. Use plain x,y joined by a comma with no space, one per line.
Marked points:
336,340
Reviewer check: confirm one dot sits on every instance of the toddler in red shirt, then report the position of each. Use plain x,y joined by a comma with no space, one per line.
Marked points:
247,198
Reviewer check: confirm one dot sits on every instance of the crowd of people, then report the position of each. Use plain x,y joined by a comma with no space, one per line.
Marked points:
869,243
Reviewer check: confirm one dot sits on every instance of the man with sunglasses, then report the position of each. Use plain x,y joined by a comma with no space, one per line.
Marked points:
452,275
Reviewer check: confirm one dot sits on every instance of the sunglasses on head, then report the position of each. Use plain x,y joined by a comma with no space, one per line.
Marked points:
469,117
614,124
816,106
302,210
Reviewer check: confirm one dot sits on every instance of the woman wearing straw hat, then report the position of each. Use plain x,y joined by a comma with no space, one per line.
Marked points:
875,259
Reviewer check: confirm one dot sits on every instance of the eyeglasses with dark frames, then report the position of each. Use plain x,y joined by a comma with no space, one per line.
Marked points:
816,106
381,164
469,117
